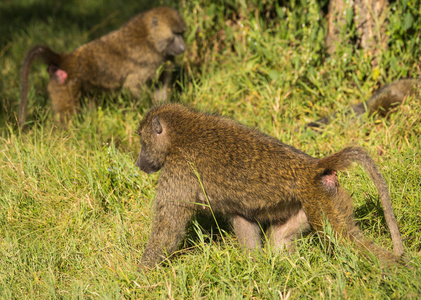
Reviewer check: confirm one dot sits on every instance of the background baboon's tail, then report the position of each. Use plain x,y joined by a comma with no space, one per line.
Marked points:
50,58
342,160
381,102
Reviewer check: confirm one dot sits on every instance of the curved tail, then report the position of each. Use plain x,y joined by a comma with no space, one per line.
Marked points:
381,102
342,160
50,58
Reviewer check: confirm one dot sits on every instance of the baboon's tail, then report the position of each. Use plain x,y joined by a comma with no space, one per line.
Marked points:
50,58
342,160
381,102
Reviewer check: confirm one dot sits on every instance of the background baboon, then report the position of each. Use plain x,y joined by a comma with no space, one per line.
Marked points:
127,57
249,177
381,102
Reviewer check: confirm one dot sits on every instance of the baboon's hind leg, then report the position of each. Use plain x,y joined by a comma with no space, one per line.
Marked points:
248,233
338,210
284,234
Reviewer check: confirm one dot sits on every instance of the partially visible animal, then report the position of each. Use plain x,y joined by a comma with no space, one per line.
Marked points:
126,58
386,98
252,179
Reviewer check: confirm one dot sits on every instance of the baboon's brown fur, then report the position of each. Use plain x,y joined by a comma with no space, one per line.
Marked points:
249,177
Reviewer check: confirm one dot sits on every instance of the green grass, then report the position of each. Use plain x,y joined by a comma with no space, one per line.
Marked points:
75,212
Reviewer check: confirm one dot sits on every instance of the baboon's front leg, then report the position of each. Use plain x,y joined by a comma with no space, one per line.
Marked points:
168,230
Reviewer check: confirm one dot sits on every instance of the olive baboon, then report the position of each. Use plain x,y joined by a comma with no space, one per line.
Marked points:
381,102
249,177
128,57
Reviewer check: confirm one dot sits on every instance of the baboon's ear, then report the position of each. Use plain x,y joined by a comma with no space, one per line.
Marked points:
154,22
156,125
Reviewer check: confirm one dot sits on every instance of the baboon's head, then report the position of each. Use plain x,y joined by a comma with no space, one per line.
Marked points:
155,143
166,29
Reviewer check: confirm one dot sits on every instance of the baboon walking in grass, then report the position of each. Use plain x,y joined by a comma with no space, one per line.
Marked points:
126,58
251,178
